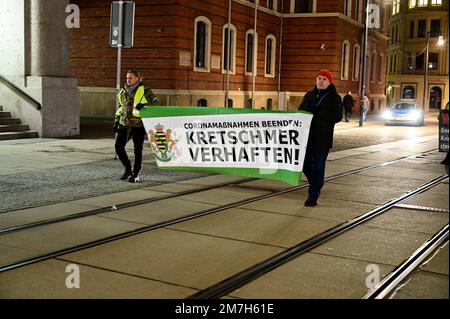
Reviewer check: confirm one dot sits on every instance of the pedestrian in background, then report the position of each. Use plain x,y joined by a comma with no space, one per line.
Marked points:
348,105
366,104
326,106
128,124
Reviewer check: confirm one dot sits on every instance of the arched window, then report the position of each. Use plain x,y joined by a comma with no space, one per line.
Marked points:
345,59
251,49
249,104
269,104
202,45
435,97
229,58
356,61
230,103
409,92
269,69
202,103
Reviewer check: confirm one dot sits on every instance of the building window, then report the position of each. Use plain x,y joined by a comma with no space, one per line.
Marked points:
380,68
202,47
379,104
419,61
423,3
395,63
229,49
269,70
435,27
272,4
202,103
421,27
412,4
356,62
230,103
348,8
249,104
251,46
358,11
372,67
269,104
301,6
409,61
436,2
433,61
395,7
408,92
411,29
345,59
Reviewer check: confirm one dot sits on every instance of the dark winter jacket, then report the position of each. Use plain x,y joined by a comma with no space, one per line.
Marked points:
326,106
348,102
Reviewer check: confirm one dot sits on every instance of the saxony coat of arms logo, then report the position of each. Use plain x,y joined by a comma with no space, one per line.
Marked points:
162,143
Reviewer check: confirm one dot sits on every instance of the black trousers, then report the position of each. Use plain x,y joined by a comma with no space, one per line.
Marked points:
123,136
314,170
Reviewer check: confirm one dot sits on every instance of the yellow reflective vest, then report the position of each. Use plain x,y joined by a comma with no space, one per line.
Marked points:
127,114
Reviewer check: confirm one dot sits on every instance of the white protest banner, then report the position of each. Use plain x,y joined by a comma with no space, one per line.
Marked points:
254,143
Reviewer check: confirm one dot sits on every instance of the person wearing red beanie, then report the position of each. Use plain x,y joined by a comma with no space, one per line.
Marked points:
326,106
326,74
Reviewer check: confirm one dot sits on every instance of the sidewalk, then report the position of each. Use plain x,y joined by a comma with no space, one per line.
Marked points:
177,260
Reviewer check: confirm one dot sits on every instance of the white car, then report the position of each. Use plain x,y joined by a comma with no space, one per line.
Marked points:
404,112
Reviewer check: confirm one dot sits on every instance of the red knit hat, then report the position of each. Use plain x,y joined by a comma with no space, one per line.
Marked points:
326,74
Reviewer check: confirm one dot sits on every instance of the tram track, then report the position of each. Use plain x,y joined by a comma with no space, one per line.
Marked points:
252,273
146,228
388,285
118,207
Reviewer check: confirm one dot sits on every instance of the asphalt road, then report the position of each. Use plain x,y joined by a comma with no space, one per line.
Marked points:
350,135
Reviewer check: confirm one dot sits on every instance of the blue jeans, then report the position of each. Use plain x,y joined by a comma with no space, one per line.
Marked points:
314,170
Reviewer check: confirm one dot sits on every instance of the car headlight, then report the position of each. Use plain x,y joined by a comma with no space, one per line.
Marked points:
414,115
387,114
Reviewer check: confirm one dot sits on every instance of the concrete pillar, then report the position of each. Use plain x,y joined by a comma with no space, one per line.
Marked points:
49,52
40,66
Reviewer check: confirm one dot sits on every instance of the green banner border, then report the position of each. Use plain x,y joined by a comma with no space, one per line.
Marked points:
174,111
290,177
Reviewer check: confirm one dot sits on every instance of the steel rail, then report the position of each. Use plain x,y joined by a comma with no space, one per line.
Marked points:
31,260
250,274
391,281
107,209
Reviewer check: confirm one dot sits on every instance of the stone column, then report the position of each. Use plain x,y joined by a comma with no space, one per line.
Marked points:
49,52
48,68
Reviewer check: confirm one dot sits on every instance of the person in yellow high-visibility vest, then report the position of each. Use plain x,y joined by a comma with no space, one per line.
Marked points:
128,124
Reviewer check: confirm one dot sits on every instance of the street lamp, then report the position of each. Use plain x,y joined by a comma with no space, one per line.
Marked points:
425,78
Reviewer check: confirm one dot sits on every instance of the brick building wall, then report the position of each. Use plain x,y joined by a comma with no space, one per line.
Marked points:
164,48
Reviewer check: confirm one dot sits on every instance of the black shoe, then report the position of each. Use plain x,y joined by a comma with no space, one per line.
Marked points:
134,178
311,202
127,174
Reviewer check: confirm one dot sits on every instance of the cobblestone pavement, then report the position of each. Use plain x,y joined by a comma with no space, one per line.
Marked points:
43,187
97,173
